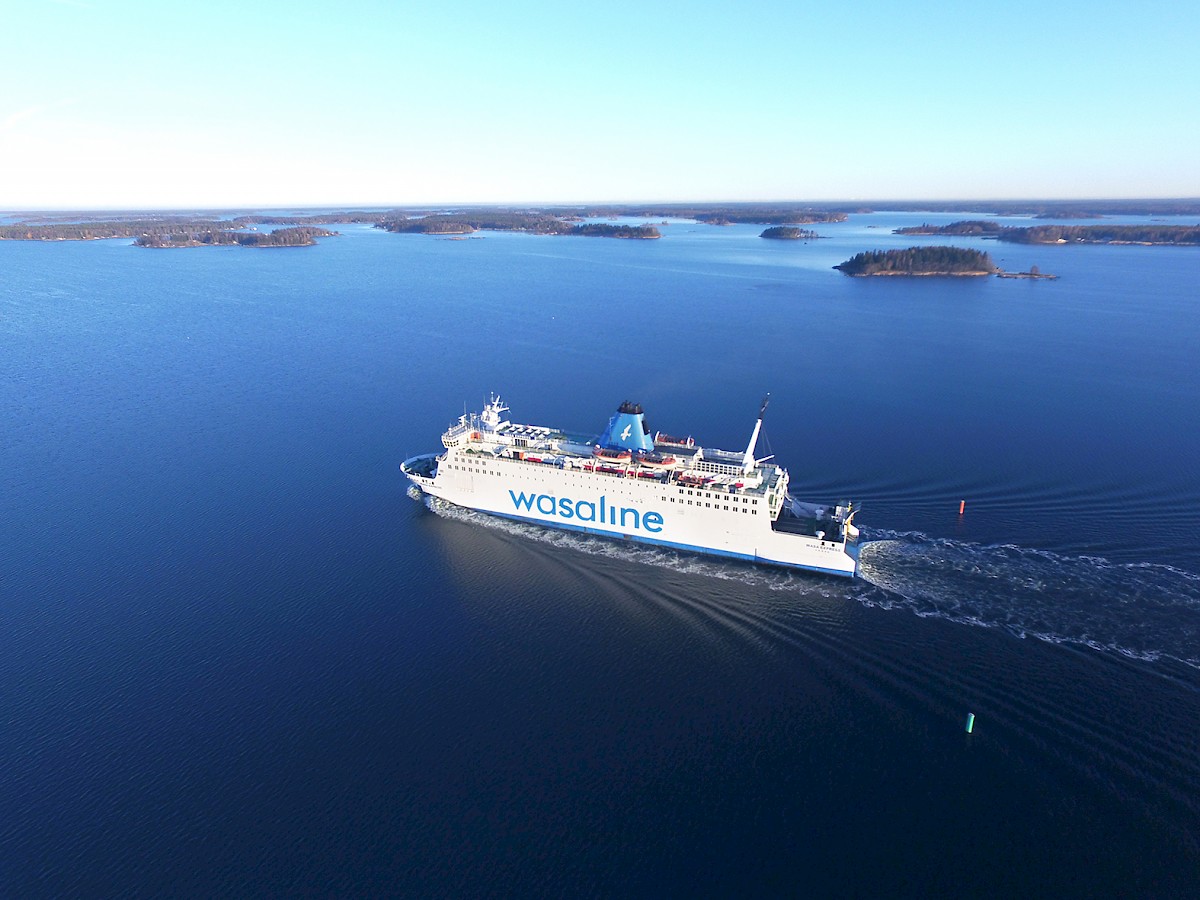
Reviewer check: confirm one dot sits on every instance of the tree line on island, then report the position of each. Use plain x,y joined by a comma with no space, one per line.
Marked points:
723,213
172,232
531,223
919,261
297,236
1064,234
783,219
184,230
789,233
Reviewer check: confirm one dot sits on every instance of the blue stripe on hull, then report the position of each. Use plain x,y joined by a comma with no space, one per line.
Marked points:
693,548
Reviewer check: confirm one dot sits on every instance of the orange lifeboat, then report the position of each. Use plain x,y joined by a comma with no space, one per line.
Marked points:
612,456
656,460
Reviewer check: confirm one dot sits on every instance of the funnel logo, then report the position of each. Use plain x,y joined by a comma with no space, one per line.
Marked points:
625,433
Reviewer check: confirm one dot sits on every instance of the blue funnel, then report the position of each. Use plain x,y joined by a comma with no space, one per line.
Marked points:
627,430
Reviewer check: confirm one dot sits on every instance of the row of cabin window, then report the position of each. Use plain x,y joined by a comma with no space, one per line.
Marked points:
473,469
716,506
710,496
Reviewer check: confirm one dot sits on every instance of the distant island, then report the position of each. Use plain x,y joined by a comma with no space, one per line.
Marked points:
558,220
170,231
1034,273
724,213
766,217
531,223
633,232
1041,209
920,261
1177,235
475,220
1187,235
789,233
967,228
300,236
783,221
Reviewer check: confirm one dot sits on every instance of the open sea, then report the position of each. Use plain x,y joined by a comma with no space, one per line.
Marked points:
240,657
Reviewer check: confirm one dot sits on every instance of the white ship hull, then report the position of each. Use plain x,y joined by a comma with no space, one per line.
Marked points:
733,515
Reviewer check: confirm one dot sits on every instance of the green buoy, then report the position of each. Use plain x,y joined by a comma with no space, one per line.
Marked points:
970,722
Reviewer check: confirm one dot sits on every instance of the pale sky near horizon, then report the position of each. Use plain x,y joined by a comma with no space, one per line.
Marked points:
233,104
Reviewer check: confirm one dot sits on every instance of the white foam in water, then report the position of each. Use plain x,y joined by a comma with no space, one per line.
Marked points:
1141,610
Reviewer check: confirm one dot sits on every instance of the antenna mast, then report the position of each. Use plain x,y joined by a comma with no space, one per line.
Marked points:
748,458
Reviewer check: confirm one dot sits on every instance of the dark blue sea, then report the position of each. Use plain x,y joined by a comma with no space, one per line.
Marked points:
239,657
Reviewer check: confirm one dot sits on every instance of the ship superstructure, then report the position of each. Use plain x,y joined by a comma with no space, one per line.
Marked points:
629,484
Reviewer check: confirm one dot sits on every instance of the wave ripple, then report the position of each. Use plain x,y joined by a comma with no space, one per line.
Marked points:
1145,611
1140,610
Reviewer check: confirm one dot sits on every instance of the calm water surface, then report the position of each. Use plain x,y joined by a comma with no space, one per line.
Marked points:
240,657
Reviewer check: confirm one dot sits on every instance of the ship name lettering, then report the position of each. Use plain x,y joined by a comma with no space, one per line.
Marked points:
587,511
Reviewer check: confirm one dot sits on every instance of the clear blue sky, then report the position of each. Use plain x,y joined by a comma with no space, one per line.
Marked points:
216,103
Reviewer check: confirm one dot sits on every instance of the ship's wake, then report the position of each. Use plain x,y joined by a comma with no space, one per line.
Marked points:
1144,611
1140,610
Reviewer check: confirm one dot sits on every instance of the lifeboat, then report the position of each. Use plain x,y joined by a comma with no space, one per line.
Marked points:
656,460
668,440
612,456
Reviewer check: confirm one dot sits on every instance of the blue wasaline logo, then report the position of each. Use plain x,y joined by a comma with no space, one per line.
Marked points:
587,511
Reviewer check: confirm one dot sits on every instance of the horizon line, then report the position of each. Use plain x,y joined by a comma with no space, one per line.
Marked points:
878,203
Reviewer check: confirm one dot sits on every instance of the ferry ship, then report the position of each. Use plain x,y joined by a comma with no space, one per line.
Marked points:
628,484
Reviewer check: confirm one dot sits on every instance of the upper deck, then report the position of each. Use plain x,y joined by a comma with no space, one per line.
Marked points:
673,460
621,452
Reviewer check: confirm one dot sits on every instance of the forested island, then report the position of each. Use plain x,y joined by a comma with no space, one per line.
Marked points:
1034,273
531,223
634,232
769,217
299,236
783,221
171,231
475,220
1043,209
82,226
1187,235
966,228
726,213
1103,234
102,230
789,233
955,261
